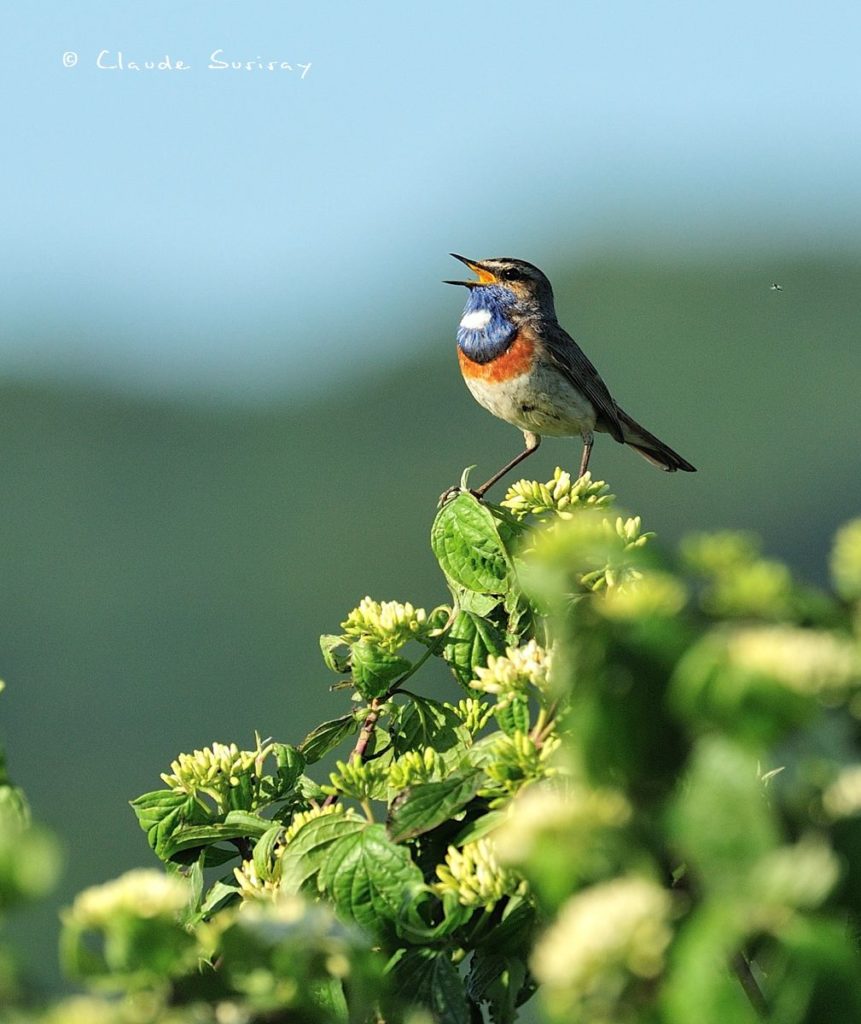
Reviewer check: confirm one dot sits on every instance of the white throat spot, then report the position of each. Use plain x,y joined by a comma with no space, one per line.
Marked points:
476,320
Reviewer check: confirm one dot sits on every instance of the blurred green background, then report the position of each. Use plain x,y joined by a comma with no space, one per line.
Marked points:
228,391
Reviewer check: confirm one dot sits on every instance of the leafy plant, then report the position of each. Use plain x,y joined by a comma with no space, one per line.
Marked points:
646,806
29,866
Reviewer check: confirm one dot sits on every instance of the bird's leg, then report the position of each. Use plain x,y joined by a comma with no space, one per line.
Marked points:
532,443
587,451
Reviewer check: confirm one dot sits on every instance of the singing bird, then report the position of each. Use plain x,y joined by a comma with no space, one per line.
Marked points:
522,366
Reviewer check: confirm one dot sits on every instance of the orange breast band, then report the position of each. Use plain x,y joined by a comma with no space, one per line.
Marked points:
514,361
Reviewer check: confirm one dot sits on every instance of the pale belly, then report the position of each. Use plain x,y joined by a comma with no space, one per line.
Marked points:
540,401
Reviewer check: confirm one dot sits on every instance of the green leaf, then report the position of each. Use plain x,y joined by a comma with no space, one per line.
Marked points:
426,918
194,837
698,986
520,616
263,850
252,825
186,826
223,891
310,846
479,828
484,969
427,978
484,751
291,764
329,646
374,670
212,855
310,792
513,717
467,545
515,933
164,812
498,980
479,604
326,737
379,746
152,808
427,723
820,978
127,951
709,689
721,822
195,881
469,643
368,877
423,807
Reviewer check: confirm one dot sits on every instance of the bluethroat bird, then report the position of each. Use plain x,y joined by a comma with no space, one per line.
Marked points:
527,370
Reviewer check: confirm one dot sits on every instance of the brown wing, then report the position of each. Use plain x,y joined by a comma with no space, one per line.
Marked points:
569,358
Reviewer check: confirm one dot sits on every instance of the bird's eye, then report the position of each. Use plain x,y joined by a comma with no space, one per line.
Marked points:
510,274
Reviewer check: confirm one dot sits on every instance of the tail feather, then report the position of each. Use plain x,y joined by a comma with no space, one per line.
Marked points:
652,449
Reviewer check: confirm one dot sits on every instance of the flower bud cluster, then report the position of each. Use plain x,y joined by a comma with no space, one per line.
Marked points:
475,876
653,593
512,675
303,817
474,713
793,877
232,777
740,582
560,495
142,893
252,887
211,768
361,780
389,624
842,798
814,663
547,813
414,767
604,938
846,560
517,760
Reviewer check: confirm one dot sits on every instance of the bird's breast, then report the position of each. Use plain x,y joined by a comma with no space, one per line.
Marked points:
525,389
514,361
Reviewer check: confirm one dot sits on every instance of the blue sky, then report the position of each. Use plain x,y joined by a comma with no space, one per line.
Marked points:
240,231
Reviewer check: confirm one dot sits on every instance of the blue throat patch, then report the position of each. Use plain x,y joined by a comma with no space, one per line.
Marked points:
485,343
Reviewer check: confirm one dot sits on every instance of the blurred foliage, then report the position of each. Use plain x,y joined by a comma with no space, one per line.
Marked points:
29,866
165,559
149,543
645,806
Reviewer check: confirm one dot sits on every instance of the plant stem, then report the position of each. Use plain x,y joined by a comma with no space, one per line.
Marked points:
367,730
365,734
741,969
375,705
544,724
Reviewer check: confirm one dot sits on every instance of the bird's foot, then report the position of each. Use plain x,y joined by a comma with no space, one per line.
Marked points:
448,495
452,492
462,488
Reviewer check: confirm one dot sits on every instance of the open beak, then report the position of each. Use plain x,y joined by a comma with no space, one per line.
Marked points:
484,276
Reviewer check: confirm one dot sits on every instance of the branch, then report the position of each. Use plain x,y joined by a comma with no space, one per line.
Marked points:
376,705
364,738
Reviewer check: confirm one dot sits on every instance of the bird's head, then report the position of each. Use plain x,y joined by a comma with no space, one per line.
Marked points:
531,291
